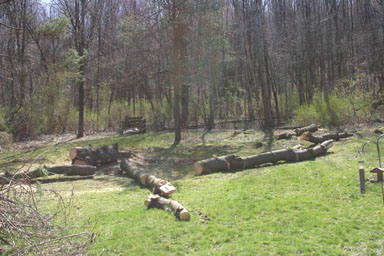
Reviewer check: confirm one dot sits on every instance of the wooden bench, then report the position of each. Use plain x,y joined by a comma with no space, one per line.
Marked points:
133,125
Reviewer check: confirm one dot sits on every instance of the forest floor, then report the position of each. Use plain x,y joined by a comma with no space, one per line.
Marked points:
309,208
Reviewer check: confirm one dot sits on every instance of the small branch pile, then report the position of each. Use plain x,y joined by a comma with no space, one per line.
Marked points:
24,229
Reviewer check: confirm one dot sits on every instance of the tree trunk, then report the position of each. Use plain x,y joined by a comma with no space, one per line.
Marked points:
156,201
261,56
233,162
94,155
283,136
68,170
310,128
81,52
320,139
156,185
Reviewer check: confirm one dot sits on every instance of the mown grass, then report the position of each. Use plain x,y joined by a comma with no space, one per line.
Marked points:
308,208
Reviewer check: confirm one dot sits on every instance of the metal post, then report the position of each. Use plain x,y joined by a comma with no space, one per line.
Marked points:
362,178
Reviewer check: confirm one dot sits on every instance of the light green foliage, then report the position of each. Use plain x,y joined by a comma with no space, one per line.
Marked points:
72,62
55,27
343,105
5,139
3,125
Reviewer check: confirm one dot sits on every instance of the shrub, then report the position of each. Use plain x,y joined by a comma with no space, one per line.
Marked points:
5,139
341,109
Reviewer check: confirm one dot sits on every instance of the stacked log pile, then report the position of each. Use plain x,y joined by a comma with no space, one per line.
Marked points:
93,155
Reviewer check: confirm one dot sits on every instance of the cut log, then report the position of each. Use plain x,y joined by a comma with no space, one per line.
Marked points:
62,179
310,128
68,170
307,136
156,185
156,201
233,162
283,136
93,155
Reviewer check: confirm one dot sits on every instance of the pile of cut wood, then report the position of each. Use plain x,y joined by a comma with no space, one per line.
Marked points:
233,162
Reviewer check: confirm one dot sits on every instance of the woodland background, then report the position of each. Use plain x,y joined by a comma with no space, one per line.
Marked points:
83,65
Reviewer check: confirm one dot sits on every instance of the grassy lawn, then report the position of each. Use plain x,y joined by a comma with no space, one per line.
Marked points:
308,208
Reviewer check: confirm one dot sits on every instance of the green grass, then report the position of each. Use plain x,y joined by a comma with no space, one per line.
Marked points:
306,208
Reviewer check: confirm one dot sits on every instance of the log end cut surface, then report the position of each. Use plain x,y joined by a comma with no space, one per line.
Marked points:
184,215
198,168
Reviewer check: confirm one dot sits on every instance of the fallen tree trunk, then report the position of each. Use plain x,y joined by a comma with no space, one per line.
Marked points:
320,139
62,179
156,201
310,128
93,155
156,185
68,170
233,162
283,136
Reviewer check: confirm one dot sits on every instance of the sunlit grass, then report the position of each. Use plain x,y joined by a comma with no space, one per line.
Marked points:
308,208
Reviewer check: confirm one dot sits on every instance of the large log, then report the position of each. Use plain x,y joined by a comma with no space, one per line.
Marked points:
310,128
283,136
156,185
320,139
93,155
233,162
68,170
156,201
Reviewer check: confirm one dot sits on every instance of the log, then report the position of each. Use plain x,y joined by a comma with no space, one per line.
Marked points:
233,162
308,136
156,185
310,128
68,170
93,155
156,201
283,136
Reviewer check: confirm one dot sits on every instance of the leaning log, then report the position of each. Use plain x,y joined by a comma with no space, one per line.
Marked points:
156,185
307,136
156,201
233,162
310,128
68,170
94,155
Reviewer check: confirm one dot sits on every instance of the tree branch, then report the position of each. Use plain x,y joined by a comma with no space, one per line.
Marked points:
9,26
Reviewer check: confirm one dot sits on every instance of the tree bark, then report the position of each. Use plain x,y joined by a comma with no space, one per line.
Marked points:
156,201
94,155
283,136
68,170
320,139
233,162
156,185
262,61
310,128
